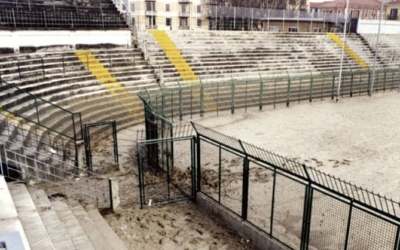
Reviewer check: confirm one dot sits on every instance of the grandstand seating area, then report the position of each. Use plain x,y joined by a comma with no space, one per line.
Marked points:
216,55
389,45
52,224
42,14
64,80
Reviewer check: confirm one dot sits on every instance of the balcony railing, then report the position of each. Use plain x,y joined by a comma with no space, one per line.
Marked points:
393,17
184,14
186,27
151,13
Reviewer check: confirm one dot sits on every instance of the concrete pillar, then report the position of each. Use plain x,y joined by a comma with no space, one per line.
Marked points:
114,193
80,154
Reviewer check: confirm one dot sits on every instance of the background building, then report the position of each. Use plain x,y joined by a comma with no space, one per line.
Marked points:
392,10
364,9
166,14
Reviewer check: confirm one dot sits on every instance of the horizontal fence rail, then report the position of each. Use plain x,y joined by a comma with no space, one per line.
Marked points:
299,206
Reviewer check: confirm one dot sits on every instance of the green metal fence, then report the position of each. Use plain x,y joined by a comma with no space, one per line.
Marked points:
40,111
190,101
300,206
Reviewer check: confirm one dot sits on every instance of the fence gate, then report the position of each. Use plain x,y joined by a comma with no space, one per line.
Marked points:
170,177
101,146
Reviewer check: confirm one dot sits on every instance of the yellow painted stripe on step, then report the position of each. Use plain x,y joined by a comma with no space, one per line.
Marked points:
347,49
109,82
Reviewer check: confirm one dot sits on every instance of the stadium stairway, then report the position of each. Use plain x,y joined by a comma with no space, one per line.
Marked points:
242,55
53,224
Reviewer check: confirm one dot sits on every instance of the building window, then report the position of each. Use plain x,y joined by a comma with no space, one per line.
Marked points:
274,28
150,6
183,22
317,29
292,2
167,7
366,14
123,7
199,22
168,21
198,8
304,3
183,8
293,29
152,21
339,12
132,7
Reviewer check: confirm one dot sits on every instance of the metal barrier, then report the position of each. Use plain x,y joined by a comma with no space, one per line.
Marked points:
57,176
70,122
189,101
14,19
300,206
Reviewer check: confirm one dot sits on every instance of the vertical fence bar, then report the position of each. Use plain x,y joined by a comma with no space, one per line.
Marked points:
333,84
201,99
198,163
352,82
219,173
273,203
232,97
111,196
180,102
260,105
348,226
288,91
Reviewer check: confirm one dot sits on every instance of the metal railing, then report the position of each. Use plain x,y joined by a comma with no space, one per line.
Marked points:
191,101
13,19
300,206
37,138
57,175
40,111
52,6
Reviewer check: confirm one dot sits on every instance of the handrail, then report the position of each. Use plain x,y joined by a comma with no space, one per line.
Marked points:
39,122
19,68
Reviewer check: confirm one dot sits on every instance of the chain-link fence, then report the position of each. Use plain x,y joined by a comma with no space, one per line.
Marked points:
297,205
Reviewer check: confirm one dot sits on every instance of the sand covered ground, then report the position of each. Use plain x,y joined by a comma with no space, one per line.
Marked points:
175,226
357,139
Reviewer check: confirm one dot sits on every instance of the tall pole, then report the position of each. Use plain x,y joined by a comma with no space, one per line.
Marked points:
376,51
346,12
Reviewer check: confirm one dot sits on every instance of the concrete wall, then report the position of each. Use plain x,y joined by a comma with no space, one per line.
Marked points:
17,39
261,240
372,26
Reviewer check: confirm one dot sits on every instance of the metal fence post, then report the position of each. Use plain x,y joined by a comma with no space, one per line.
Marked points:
261,92
348,226
232,96
288,90
198,162
180,102
111,196
245,187
273,203
333,84
352,82
384,78
311,86
201,98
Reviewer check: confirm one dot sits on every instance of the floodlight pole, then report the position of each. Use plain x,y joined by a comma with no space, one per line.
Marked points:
343,44
376,50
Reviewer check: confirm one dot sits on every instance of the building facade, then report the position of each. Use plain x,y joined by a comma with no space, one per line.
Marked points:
363,9
166,14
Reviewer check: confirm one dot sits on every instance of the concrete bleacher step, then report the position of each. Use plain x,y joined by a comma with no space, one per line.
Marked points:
72,226
90,228
9,220
51,221
31,222
106,231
